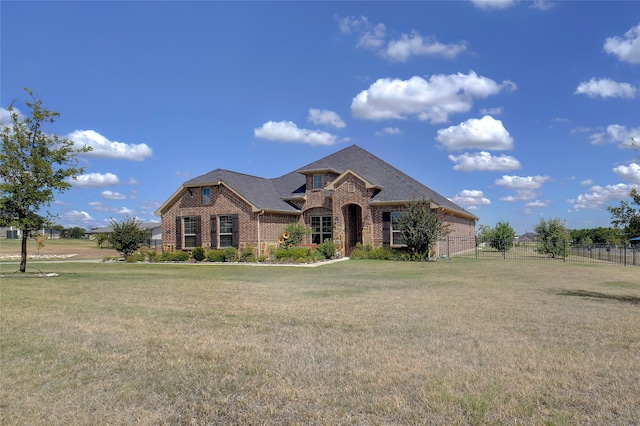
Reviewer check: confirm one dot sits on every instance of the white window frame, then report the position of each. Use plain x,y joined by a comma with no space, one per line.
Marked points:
318,184
227,220
396,237
189,232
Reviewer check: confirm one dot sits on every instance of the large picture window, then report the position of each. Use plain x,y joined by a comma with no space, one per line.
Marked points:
321,229
189,231
397,239
225,231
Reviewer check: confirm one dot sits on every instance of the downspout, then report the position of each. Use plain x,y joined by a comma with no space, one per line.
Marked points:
259,246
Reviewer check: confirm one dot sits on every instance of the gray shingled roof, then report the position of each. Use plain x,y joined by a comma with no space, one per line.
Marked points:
269,194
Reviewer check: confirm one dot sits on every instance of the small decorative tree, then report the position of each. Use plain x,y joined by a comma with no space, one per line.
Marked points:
127,236
501,237
101,238
293,235
422,227
552,238
40,239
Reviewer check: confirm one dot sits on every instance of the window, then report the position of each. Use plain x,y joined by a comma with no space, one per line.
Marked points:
321,229
206,195
397,239
190,228
225,230
317,181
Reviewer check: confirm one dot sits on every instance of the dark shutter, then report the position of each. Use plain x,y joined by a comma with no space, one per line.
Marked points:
198,232
213,224
178,233
234,230
386,228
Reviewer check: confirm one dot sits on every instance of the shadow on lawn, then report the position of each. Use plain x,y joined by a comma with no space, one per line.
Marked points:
596,295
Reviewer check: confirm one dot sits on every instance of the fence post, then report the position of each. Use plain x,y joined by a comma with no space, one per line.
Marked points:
564,251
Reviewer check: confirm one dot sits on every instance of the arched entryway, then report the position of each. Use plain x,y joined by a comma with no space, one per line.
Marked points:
353,221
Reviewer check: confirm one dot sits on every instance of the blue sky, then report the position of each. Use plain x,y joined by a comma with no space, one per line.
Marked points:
515,110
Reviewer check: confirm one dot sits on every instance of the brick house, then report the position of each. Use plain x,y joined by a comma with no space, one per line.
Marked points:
349,197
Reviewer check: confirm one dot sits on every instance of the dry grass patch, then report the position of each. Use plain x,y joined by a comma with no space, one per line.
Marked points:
358,342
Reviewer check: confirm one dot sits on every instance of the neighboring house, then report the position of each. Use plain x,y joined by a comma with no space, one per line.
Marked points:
154,229
348,197
527,237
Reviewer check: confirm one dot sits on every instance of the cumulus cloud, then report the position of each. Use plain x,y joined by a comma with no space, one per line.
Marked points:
389,131
287,131
5,116
471,198
543,5
374,38
630,173
606,88
416,45
538,203
627,49
104,148
77,218
493,4
491,111
432,99
598,196
94,180
484,133
614,133
110,195
326,117
483,161
522,182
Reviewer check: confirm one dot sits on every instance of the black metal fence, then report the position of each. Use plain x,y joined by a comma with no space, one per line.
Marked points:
560,250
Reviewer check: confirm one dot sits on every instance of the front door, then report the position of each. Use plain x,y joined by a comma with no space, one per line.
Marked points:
354,226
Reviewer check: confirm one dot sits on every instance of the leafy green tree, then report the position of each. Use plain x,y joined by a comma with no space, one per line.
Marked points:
127,236
552,238
501,237
422,227
101,238
34,165
76,232
600,235
626,218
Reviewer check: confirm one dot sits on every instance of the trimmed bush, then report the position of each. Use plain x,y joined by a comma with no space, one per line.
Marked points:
179,256
247,255
198,254
230,254
327,249
215,255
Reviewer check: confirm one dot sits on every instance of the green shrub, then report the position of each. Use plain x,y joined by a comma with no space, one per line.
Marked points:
383,253
360,252
247,255
215,255
230,254
294,234
327,249
152,256
198,254
135,257
179,256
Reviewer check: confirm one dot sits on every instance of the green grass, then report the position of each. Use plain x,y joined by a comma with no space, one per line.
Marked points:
358,342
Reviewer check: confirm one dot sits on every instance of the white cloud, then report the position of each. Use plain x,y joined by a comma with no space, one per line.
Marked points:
599,195
630,173
606,88
491,111
123,211
493,4
483,161
287,131
374,38
522,182
417,45
389,131
94,180
471,197
5,116
433,99
110,195
104,148
543,5
324,116
98,206
484,133
77,218
586,182
538,203
615,133
627,49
